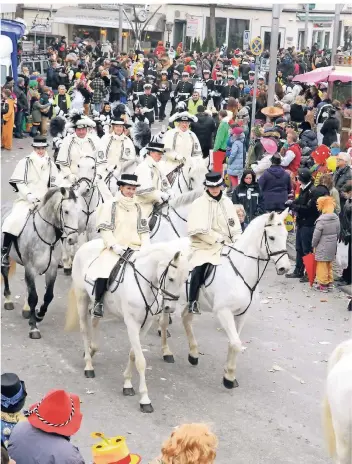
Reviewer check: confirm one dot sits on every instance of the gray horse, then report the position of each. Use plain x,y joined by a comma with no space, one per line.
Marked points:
38,249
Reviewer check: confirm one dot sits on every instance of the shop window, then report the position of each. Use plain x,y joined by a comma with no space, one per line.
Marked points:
236,30
220,28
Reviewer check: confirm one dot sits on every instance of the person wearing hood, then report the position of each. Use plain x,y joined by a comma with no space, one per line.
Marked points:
275,185
305,207
248,194
235,160
307,136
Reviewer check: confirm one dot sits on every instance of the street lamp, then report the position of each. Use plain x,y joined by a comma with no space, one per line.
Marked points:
169,25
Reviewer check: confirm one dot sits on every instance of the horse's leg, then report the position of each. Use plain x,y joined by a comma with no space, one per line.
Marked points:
84,322
192,342
128,389
93,335
164,324
34,332
26,308
227,321
50,277
8,304
133,334
66,258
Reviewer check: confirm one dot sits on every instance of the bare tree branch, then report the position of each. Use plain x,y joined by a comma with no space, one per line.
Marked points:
148,21
130,23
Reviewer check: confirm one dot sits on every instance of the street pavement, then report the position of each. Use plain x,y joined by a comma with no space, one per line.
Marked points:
274,415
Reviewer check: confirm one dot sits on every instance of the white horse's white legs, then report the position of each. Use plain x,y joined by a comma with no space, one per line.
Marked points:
227,321
133,333
192,342
343,446
164,324
26,308
85,325
128,389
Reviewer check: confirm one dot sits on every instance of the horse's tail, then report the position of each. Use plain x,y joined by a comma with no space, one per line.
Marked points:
328,427
72,319
12,269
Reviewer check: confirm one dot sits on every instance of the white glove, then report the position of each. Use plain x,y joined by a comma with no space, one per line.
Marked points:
172,94
179,157
130,97
51,100
111,168
32,198
118,249
165,196
135,102
72,178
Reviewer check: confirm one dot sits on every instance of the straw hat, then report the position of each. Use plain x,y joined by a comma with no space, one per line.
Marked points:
272,111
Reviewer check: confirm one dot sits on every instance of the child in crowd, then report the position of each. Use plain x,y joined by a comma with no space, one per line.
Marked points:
13,397
241,213
325,236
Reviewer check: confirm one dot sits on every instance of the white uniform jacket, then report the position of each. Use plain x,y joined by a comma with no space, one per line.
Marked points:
185,144
33,175
118,149
210,223
120,222
73,148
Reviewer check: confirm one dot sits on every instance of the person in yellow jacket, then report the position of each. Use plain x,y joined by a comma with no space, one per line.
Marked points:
212,223
121,226
62,99
194,102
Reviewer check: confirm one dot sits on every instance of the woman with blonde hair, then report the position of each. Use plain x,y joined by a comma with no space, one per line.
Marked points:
297,110
189,444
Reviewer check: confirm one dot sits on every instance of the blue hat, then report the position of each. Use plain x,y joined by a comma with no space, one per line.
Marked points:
247,90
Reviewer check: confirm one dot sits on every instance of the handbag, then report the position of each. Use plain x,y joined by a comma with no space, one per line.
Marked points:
342,255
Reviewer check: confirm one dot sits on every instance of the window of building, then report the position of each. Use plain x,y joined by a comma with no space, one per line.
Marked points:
267,39
236,30
220,27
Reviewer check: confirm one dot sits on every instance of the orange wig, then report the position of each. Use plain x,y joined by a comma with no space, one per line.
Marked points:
326,204
190,444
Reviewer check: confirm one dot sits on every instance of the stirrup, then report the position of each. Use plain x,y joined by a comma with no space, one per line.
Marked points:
98,310
194,308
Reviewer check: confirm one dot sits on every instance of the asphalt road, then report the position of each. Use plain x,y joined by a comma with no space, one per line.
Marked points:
274,415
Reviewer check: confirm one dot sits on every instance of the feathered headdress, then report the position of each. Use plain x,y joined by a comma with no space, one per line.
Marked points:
57,126
326,204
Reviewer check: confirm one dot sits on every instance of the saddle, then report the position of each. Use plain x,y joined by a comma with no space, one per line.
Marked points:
118,271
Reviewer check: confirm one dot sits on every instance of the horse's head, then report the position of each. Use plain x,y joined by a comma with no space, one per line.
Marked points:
171,279
196,173
86,174
274,241
68,215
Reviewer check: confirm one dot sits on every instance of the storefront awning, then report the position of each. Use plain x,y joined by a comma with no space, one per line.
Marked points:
102,18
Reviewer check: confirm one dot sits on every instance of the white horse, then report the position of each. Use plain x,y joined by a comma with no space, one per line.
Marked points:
114,175
152,278
233,290
38,249
337,408
188,176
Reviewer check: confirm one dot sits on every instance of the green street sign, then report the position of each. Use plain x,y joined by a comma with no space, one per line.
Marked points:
311,6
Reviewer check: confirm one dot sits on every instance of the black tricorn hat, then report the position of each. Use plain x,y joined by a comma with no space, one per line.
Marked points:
13,393
128,179
213,179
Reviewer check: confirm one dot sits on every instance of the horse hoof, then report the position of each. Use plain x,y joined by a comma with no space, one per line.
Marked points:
89,374
67,271
230,383
26,314
34,334
128,391
192,360
9,305
169,358
148,408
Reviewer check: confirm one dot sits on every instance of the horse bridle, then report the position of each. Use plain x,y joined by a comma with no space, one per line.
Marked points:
179,171
88,181
158,211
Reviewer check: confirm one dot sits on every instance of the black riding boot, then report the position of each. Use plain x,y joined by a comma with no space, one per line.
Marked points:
100,288
197,279
6,247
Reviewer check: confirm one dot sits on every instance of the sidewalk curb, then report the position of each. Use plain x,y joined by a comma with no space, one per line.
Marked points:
292,255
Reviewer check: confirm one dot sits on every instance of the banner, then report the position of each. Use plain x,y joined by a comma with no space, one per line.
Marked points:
192,27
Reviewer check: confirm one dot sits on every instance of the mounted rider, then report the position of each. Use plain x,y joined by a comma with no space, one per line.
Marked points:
118,148
212,223
80,144
122,226
181,143
154,188
31,179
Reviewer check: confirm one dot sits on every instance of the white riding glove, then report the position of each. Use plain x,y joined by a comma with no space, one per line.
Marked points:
179,157
111,168
118,249
165,196
32,198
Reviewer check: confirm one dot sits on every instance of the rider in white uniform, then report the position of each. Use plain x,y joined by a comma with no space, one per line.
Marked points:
31,179
154,188
181,143
118,148
78,145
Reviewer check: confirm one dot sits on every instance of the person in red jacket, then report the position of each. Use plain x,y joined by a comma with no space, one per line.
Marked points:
160,49
292,158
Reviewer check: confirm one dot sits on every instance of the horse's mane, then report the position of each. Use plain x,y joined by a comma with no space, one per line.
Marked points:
164,250
198,166
52,191
186,198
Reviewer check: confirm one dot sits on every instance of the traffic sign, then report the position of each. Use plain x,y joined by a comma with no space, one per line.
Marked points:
256,46
246,37
265,65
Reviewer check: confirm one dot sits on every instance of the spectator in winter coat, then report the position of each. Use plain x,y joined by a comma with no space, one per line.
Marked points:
52,76
99,89
305,207
293,155
325,236
37,114
22,107
342,175
296,110
307,136
346,220
327,180
275,186
235,162
62,99
330,129
248,194
204,129
220,145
